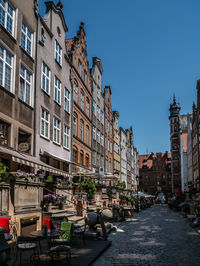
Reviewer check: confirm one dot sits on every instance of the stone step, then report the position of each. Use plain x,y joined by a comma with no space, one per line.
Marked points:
75,219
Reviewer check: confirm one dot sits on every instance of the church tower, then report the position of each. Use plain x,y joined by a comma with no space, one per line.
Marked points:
175,145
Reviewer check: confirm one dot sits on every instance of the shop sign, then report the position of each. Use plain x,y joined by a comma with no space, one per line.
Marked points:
24,146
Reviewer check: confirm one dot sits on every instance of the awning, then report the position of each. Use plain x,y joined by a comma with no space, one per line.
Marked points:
31,161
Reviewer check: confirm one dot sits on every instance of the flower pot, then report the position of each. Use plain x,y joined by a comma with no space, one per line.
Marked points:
49,207
64,205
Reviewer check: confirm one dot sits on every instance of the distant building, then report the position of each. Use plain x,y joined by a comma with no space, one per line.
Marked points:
116,145
155,172
123,153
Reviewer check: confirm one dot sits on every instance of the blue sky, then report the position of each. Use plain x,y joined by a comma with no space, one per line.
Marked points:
149,49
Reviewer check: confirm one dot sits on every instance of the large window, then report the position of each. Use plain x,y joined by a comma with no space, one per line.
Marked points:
75,92
58,53
87,160
67,100
56,130
7,16
81,130
82,100
75,124
66,137
25,85
6,69
57,90
79,67
94,132
87,135
45,123
26,39
87,107
45,78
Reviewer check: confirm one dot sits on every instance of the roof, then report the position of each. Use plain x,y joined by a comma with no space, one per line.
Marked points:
147,159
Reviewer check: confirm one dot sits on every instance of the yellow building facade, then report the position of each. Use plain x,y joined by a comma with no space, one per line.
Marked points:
116,146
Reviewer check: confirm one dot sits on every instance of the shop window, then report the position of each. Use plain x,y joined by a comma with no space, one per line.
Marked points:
66,167
4,133
24,141
56,164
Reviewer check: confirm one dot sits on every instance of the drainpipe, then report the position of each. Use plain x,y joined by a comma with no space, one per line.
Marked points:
36,77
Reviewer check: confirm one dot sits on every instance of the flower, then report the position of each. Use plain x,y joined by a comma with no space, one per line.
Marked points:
62,198
41,176
58,180
49,198
68,181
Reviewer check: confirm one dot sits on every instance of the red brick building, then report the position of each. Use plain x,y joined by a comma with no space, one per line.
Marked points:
82,99
155,172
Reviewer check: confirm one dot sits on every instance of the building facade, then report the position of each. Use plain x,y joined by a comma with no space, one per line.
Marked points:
98,131
189,153
53,114
108,131
175,145
129,144
116,146
123,153
155,173
82,101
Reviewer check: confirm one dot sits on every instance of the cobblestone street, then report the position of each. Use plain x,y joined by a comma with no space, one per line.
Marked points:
156,236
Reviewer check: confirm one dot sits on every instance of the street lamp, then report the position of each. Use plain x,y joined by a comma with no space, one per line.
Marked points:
137,206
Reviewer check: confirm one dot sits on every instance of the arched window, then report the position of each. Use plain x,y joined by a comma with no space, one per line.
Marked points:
75,154
75,121
75,92
82,100
87,107
87,160
81,157
81,129
87,135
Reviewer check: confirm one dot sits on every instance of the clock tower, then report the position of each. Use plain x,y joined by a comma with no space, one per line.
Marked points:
175,145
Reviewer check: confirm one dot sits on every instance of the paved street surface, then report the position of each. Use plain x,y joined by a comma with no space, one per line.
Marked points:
156,236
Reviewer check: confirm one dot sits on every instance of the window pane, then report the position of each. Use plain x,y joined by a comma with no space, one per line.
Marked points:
46,130
2,17
2,2
28,47
23,42
10,10
1,52
8,58
9,24
27,94
21,89
7,77
1,72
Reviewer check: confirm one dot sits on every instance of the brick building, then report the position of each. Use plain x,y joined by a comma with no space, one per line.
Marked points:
82,100
155,172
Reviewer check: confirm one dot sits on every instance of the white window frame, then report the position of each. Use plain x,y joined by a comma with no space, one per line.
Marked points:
58,53
5,64
46,78
81,130
94,132
56,130
46,122
75,92
66,137
98,136
27,38
67,100
82,103
27,83
57,90
7,14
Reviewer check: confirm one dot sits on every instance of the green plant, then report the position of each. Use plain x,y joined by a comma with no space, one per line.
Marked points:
3,171
90,189
121,185
49,179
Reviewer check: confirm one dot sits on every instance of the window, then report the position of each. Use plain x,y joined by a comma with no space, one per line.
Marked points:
94,158
101,118
98,112
81,157
102,140
75,125
94,132
5,133
79,67
108,145
94,108
75,92
66,137
45,124
58,53
111,129
75,155
87,107
105,142
45,78
67,100
56,130
110,166
87,160
6,69
98,92
81,130
82,53
98,136
26,39
7,16
85,77
87,135
25,85
82,101
57,90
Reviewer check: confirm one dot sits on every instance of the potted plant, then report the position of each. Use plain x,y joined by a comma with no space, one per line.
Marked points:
62,199
49,200
3,172
90,189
